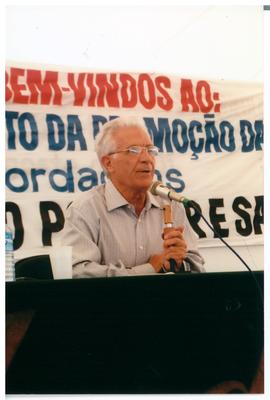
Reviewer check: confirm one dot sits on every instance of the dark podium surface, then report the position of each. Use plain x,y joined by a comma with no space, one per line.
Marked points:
152,334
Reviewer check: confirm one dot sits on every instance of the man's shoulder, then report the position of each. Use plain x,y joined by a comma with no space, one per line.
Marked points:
89,198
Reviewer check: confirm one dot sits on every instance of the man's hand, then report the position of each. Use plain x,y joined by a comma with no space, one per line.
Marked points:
174,248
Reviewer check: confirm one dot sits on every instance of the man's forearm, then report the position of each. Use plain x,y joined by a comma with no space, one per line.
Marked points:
88,269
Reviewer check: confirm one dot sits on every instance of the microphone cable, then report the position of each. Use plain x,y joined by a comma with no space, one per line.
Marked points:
190,203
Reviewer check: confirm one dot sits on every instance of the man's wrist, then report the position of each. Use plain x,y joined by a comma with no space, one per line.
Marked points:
157,262
163,270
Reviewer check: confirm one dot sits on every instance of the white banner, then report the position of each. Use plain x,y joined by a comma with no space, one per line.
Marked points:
210,134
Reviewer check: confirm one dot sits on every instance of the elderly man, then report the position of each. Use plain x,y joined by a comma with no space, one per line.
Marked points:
116,228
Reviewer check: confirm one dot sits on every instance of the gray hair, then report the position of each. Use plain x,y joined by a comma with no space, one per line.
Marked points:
105,142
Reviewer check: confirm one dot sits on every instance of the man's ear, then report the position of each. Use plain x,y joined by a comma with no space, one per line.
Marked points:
107,163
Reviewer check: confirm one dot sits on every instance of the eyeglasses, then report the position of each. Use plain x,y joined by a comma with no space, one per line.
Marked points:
136,150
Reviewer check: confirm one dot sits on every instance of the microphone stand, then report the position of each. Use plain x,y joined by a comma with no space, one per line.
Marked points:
168,224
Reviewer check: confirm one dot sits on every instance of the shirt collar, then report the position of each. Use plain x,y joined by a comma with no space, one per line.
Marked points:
114,199
151,201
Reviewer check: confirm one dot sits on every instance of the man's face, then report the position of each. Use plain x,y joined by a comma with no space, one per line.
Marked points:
131,172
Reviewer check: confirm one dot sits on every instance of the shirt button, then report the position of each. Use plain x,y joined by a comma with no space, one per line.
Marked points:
141,247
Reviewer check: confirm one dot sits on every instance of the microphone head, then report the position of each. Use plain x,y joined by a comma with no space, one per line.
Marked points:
154,186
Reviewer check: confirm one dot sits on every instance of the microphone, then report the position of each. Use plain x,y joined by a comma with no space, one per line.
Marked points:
158,189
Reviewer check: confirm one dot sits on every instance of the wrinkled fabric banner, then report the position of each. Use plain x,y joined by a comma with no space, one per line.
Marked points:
210,135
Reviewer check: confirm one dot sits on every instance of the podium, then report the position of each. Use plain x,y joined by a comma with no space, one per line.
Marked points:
155,334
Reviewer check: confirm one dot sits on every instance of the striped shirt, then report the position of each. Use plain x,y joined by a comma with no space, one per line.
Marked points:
109,239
